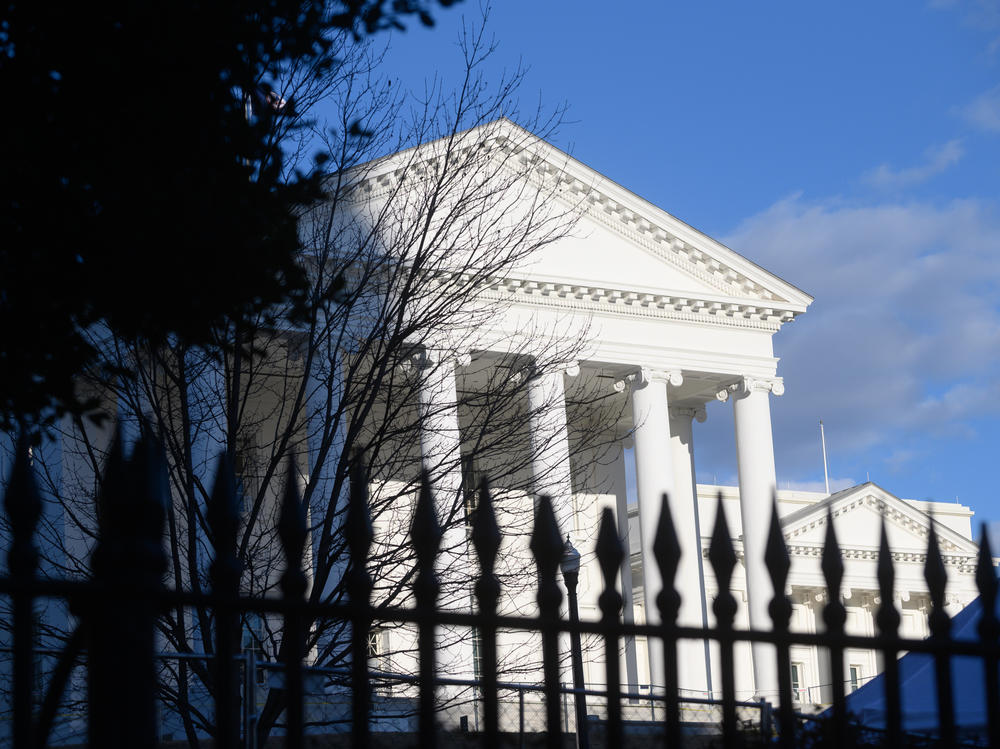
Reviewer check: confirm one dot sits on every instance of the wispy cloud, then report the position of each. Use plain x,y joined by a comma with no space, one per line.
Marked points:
983,15
904,337
984,111
936,160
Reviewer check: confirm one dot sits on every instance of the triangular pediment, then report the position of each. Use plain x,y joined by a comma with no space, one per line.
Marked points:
625,252
858,513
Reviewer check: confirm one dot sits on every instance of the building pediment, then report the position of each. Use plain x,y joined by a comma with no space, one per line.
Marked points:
626,256
858,513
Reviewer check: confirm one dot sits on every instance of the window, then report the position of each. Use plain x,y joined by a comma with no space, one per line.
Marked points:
856,678
477,654
798,692
253,642
374,644
247,467
470,486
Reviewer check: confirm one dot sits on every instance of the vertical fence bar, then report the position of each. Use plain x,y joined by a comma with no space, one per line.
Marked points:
225,571
777,561
520,718
888,623
547,548
835,616
667,552
24,507
359,590
146,513
292,531
486,540
723,560
120,621
989,631
610,555
426,535
940,626
250,700
100,613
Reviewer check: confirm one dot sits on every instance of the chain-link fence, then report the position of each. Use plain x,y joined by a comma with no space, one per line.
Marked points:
187,708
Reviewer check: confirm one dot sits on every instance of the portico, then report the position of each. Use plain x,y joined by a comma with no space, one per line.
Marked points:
669,319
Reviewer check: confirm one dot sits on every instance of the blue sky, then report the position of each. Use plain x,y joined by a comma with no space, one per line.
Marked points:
851,148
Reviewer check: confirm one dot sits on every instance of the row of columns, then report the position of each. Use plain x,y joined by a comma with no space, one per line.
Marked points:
664,461
664,456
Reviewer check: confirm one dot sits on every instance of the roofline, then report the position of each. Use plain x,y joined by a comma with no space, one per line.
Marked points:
797,299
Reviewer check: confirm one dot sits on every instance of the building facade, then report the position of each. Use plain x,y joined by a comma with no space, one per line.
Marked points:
671,320
570,364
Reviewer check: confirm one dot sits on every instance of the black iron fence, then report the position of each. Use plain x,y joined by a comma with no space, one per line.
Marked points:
116,612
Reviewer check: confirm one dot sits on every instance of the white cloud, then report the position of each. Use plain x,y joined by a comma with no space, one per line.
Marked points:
904,337
936,160
984,111
982,15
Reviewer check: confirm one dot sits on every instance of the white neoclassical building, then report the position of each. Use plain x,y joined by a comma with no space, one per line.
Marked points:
598,346
672,321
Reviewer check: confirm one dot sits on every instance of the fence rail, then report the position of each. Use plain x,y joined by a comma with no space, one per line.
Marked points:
117,609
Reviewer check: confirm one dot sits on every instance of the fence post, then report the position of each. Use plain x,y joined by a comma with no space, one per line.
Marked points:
888,623
989,630
24,507
547,548
426,536
667,551
610,556
940,626
778,564
225,571
834,616
722,557
292,532
359,590
765,719
250,700
128,563
486,540
520,718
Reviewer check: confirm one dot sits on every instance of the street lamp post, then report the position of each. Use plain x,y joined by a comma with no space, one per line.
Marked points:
570,566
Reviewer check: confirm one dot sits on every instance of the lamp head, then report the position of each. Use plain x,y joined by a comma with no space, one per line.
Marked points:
570,563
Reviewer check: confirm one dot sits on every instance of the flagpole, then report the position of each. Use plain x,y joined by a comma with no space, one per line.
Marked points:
826,472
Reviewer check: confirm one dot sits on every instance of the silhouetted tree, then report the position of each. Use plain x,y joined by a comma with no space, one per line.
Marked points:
143,188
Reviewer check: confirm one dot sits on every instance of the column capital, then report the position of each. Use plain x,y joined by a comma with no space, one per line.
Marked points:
530,372
747,385
680,412
424,357
645,375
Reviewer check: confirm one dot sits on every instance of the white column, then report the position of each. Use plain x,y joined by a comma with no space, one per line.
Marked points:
440,450
755,457
654,477
628,612
326,430
551,473
692,656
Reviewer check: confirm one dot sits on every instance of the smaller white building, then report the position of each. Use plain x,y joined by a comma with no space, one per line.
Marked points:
858,513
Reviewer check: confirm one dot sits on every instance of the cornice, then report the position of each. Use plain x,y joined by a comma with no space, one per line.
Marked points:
604,300
963,562
599,198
